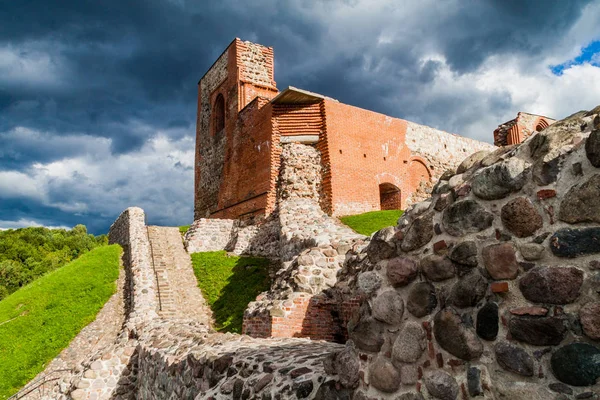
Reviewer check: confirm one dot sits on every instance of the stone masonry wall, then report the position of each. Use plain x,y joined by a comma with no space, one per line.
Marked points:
256,64
183,362
312,247
208,234
441,150
109,373
129,231
210,149
491,288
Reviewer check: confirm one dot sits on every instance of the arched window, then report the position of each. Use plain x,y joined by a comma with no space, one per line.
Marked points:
219,114
389,197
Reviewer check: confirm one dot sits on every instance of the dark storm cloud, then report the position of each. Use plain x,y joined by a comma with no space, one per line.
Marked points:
124,70
479,29
123,60
141,59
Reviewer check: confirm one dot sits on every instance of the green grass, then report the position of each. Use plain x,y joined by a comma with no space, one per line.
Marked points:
40,319
372,221
228,284
183,229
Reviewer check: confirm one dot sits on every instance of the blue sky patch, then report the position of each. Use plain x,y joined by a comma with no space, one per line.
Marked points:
589,54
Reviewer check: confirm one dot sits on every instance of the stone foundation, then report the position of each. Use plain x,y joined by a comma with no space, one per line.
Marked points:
491,288
311,244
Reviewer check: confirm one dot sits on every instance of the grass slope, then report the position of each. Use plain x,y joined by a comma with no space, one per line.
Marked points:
228,284
28,253
40,319
183,229
372,221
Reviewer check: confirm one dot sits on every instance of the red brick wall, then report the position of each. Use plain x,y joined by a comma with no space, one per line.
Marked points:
299,119
241,163
316,317
366,149
247,169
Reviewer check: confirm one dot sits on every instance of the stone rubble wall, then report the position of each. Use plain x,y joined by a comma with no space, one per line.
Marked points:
303,223
312,246
256,64
490,289
441,150
109,373
210,157
129,231
260,238
184,362
106,372
207,234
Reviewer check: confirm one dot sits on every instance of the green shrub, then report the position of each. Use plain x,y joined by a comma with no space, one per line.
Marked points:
228,284
372,221
183,229
39,320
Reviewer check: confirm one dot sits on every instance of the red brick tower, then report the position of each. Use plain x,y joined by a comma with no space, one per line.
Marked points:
241,74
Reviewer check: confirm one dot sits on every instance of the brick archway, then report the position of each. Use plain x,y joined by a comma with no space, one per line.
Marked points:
541,124
390,197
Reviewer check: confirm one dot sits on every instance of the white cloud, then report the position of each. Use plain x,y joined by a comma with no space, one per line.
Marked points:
388,35
536,91
158,177
14,184
25,223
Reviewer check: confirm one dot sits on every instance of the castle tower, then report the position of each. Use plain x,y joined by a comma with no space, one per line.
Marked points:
243,72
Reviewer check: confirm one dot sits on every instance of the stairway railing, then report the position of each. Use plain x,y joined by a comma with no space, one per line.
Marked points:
37,384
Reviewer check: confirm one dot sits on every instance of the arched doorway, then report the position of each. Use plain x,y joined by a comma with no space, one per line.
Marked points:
390,197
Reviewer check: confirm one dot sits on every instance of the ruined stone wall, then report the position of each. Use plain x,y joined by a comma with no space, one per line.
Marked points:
491,288
129,231
259,237
312,246
108,373
440,151
185,363
209,234
210,146
517,130
256,72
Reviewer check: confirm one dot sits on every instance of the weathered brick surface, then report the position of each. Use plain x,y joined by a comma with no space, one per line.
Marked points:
518,129
233,165
303,315
237,168
441,150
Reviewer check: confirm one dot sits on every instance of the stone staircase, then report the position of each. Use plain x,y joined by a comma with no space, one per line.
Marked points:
179,295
